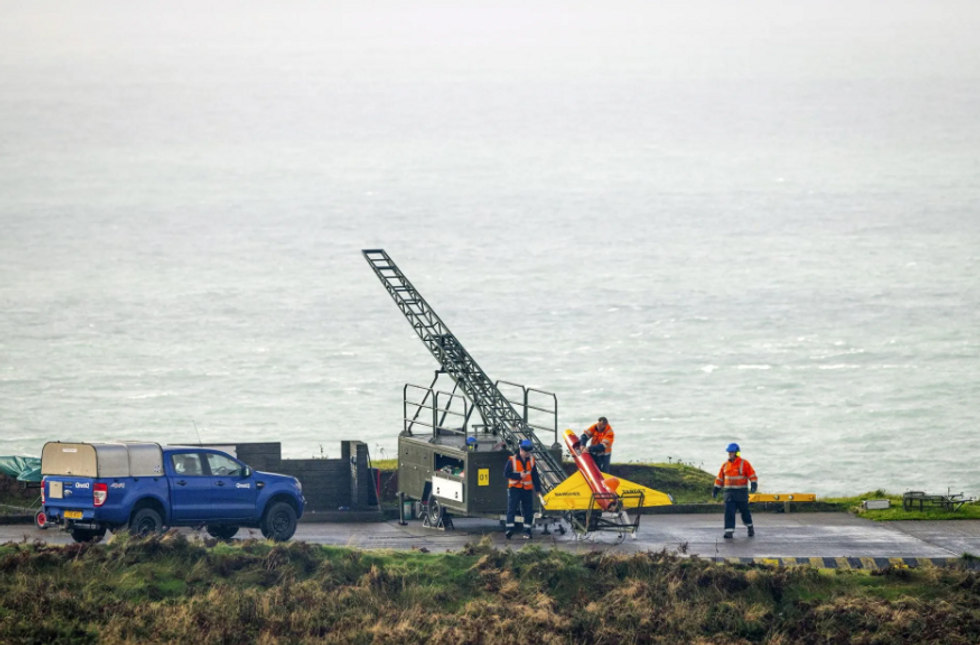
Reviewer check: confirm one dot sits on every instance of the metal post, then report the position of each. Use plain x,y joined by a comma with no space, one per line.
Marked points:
401,509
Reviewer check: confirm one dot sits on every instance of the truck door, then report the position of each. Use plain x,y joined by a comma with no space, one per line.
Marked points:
232,493
190,488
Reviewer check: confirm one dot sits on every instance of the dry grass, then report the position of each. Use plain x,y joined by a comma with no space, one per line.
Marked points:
167,589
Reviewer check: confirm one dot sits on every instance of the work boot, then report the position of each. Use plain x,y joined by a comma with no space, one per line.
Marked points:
526,536
751,531
509,534
728,536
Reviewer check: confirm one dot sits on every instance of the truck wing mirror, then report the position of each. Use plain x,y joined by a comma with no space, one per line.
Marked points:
246,473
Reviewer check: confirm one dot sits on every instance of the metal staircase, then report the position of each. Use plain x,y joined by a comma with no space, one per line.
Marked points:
499,414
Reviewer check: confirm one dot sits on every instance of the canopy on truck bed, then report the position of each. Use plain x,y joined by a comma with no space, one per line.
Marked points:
117,459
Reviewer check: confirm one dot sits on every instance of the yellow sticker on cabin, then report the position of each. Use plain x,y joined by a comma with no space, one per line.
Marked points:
483,477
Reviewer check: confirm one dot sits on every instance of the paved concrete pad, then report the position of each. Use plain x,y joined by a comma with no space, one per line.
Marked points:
794,535
956,536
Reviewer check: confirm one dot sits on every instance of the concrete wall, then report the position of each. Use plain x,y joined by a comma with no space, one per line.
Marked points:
328,484
260,456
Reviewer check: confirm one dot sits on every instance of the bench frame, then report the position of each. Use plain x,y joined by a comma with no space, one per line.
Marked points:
949,501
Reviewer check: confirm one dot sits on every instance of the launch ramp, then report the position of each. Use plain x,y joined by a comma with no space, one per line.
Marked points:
497,411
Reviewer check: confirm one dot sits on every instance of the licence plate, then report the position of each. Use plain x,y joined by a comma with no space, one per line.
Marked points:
73,515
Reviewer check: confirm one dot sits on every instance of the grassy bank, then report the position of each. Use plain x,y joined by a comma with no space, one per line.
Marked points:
168,589
686,484
896,512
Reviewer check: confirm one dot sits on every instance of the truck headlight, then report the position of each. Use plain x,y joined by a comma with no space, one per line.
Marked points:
299,484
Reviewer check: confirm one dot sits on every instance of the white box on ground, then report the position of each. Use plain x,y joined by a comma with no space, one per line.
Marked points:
876,504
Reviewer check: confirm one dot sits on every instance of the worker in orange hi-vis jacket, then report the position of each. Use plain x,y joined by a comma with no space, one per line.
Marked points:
737,478
602,436
521,474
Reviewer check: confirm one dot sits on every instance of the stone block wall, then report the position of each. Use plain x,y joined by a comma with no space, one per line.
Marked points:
328,484
260,456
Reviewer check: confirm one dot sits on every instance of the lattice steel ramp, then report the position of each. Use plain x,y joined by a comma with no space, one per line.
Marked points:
499,414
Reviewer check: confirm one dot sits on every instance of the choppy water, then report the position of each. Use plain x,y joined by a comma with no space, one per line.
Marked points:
706,222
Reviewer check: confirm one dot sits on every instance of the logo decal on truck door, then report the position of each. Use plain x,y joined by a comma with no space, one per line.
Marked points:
243,485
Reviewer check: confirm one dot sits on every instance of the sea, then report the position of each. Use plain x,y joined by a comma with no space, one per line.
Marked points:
710,222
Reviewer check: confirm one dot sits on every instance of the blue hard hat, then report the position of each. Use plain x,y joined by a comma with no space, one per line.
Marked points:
527,445
733,447
470,441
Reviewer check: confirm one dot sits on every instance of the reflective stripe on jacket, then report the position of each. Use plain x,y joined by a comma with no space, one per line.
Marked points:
604,438
735,474
515,465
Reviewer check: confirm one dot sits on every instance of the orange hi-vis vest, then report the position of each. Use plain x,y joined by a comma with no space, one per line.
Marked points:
525,482
604,438
735,474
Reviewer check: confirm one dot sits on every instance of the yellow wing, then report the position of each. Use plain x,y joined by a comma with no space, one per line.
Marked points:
574,494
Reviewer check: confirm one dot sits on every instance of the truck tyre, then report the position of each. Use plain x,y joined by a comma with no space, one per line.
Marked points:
41,519
437,513
279,522
222,531
145,521
87,535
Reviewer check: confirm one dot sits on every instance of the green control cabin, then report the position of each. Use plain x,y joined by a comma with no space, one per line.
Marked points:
453,471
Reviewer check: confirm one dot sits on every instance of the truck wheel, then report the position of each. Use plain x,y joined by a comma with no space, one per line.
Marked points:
145,521
87,535
222,531
279,522
436,511
41,519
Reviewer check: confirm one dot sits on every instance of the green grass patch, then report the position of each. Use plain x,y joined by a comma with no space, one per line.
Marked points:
385,465
967,512
687,484
896,512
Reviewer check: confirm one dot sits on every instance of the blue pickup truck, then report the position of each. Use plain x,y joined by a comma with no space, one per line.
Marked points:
89,488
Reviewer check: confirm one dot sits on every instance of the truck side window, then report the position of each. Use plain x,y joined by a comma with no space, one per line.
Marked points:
222,466
188,464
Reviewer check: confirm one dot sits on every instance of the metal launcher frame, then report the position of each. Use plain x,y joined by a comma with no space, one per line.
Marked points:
613,519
